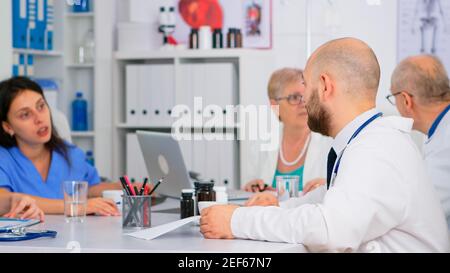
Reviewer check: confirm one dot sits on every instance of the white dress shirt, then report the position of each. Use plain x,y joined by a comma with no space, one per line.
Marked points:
436,151
381,201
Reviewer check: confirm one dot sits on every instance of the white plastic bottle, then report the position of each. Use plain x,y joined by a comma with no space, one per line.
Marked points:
221,195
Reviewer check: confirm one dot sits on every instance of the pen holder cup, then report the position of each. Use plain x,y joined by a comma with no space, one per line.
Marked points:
136,212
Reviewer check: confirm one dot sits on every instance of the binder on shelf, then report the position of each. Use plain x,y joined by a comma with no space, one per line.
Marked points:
31,31
132,94
165,74
22,65
147,105
50,25
30,66
186,97
39,31
186,151
16,62
161,93
228,161
212,168
20,23
199,155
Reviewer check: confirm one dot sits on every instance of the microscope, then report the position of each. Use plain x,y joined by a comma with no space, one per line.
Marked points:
167,22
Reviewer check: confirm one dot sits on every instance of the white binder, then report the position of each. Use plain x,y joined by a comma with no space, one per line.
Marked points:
132,91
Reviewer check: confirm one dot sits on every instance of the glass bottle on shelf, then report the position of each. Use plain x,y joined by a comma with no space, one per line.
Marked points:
86,51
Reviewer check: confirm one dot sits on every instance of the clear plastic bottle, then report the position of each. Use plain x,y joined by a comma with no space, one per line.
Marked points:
221,195
89,46
79,113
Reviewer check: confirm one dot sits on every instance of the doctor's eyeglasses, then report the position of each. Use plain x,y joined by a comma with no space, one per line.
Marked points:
391,98
294,99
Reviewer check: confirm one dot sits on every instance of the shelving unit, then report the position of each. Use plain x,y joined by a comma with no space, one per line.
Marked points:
38,53
79,77
253,70
60,65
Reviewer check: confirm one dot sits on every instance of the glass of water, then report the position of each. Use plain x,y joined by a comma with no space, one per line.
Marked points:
75,201
287,187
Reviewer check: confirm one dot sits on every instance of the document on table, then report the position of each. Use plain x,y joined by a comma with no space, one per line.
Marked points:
155,232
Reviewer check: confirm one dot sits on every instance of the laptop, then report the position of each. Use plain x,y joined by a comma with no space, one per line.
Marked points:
163,158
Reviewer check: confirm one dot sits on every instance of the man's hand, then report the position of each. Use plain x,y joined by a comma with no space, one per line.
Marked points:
215,222
265,199
102,207
314,184
24,207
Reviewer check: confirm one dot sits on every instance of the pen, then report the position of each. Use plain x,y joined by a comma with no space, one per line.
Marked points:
132,192
124,185
156,186
144,186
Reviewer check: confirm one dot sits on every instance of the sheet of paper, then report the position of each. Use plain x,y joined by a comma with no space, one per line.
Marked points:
155,232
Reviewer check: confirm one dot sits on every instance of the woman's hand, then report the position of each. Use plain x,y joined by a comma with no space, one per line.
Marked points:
314,184
24,207
257,185
102,207
265,199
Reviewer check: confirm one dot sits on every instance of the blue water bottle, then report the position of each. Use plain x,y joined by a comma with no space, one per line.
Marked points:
90,158
81,6
79,113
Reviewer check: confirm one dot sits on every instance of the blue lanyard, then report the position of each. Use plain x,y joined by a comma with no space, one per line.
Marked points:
369,121
437,121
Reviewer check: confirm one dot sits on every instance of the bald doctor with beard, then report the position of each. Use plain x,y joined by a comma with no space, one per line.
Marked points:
379,197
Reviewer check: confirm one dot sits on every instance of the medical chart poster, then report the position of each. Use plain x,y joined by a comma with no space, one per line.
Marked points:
424,28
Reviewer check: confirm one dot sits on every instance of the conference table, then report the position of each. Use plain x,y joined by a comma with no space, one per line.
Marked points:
105,235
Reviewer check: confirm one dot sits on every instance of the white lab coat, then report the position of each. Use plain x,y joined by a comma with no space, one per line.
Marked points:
436,151
382,200
263,164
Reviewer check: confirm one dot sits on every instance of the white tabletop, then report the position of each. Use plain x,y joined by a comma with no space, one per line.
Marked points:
105,234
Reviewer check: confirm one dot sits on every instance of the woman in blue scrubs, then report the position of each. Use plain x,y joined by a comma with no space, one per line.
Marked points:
16,205
35,160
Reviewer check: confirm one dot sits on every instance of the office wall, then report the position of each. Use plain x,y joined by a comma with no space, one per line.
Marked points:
374,21
5,39
375,24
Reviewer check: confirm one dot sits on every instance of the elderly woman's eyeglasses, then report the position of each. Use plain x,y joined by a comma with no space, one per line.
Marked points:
294,99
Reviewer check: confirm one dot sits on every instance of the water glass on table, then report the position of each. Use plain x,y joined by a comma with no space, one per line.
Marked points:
75,201
287,187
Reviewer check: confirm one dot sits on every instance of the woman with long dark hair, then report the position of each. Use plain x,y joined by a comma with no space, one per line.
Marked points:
35,160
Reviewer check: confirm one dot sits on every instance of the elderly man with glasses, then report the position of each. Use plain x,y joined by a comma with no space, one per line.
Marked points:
421,91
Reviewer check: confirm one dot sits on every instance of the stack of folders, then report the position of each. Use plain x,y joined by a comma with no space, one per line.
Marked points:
23,65
33,24
33,27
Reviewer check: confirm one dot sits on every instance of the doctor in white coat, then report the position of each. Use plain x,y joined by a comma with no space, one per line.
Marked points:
421,91
379,197
299,152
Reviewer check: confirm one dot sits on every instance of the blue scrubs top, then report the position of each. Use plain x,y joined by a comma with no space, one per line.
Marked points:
18,174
